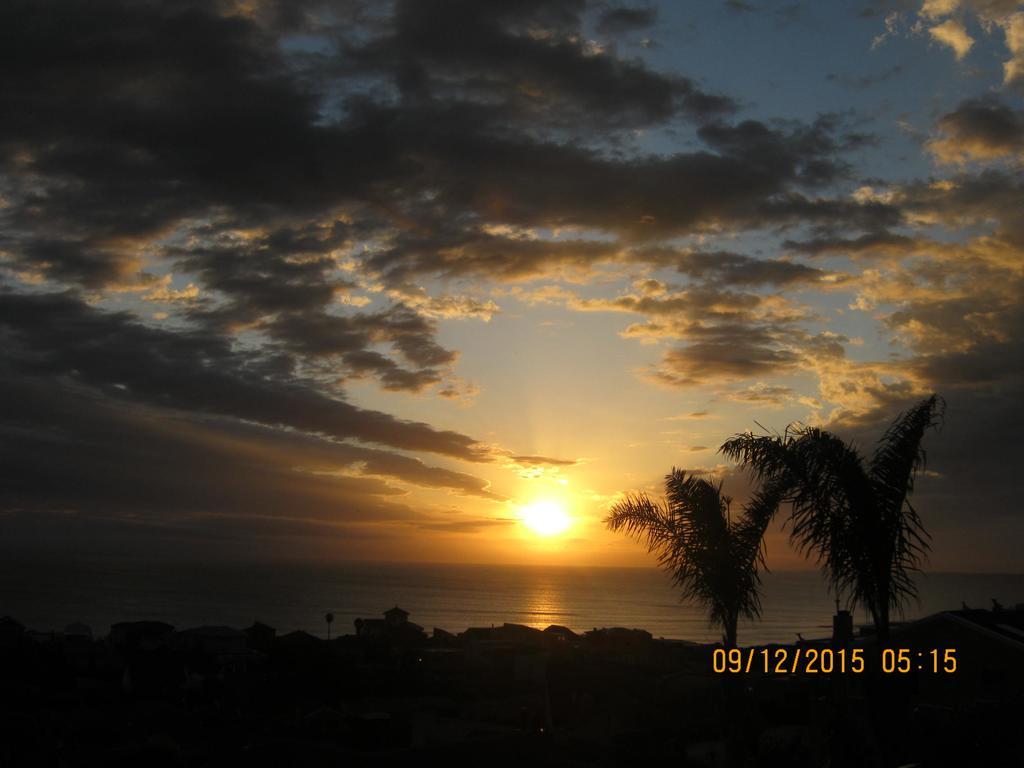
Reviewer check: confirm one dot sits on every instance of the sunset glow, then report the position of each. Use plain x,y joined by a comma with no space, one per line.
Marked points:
546,518
545,382
402,299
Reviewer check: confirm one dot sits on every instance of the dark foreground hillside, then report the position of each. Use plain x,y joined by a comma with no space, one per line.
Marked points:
148,695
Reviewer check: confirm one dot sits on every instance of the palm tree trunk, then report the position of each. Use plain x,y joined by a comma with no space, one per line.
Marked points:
882,627
883,696
881,612
730,627
735,718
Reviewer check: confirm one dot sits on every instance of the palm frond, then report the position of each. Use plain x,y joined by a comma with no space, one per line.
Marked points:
899,453
747,539
713,561
766,455
853,516
644,519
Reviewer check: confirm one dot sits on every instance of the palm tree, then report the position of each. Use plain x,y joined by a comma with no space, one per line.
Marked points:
853,514
713,558
329,618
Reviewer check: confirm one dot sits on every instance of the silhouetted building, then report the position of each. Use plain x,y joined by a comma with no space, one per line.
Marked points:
987,648
443,636
560,633
144,635
260,636
395,626
842,628
78,631
620,638
12,632
213,640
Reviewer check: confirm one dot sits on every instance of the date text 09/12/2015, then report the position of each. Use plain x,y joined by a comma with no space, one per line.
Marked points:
826,661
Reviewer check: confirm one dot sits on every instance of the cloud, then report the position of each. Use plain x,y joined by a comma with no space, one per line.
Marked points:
465,526
447,307
734,269
620,21
60,336
527,184
469,252
979,129
724,358
937,9
290,210
763,394
1005,15
455,137
194,538
312,200
164,293
96,456
989,199
953,35
104,470
722,328
1013,69
530,57
542,461
869,244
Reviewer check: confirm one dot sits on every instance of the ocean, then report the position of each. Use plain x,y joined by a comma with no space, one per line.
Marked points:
48,596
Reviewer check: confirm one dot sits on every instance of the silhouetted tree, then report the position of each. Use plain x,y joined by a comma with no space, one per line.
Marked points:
713,558
854,515
329,618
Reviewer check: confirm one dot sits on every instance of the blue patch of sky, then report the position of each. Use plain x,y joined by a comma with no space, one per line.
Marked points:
776,63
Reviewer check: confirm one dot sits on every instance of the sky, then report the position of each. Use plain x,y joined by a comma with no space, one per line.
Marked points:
378,281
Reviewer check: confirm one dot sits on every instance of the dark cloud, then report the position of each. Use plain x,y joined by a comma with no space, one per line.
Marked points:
957,344
470,252
747,181
725,357
735,269
80,452
203,538
980,129
881,242
530,58
542,461
728,335
59,336
690,309
465,526
129,118
618,21
200,112
970,199
763,394
102,471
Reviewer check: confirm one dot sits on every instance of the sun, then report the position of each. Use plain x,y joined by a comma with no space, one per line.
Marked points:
547,518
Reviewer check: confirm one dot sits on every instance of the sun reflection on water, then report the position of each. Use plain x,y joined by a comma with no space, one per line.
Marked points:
544,608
